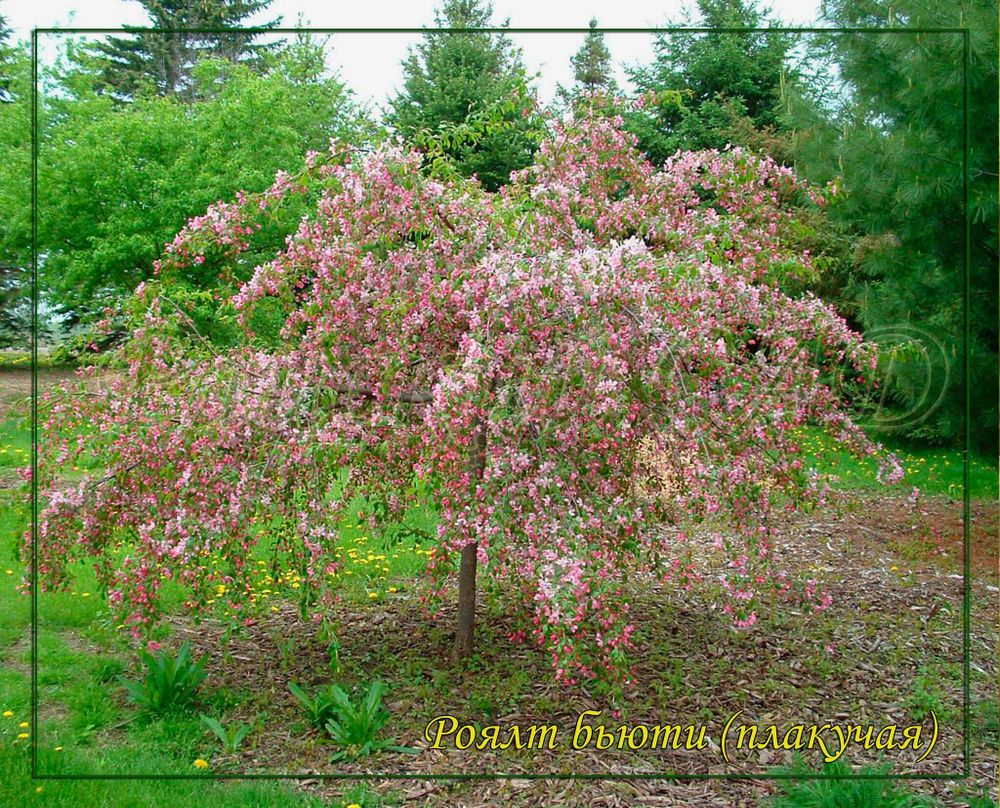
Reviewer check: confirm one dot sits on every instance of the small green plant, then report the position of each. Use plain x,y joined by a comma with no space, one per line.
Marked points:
319,708
840,787
231,738
982,800
355,727
986,722
286,648
170,681
926,698
327,634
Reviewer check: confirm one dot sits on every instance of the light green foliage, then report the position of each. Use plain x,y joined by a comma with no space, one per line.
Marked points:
928,697
15,192
170,161
170,681
847,791
232,737
891,134
318,708
478,129
450,77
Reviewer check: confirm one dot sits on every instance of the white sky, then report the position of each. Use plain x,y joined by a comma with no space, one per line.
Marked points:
370,63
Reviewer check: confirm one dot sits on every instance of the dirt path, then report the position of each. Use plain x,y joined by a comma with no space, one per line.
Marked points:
15,388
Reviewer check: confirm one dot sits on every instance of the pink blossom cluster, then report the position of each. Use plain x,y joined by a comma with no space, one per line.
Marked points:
597,312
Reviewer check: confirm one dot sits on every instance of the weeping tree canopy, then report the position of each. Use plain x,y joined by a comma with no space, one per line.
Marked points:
579,370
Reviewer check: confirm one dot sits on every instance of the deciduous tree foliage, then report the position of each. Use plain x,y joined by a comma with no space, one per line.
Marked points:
6,57
15,191
171,160
582,369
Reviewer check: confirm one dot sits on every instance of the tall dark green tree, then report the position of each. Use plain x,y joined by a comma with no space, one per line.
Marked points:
719,87
893,142
450,77
592,69
147,62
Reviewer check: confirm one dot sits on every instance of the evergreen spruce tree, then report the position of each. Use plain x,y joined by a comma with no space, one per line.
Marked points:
592,68
893,141
718,88
450,77
150,62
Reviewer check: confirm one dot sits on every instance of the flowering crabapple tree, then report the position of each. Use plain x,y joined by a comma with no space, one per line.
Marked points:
583,368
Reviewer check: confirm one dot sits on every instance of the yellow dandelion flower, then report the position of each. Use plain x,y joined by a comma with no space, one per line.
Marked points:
201,764
22,736
373,595
7,713
24,725
393,589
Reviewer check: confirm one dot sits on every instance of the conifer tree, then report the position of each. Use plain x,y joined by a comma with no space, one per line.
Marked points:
894,145
592,68
161,63
450,77
723,85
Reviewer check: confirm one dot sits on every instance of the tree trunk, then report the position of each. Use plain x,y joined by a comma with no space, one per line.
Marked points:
465,630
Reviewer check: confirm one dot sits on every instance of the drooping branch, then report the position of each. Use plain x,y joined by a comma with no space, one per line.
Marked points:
405,397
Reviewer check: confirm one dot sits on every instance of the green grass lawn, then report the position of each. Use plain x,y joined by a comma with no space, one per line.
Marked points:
933,471
15,443
82,728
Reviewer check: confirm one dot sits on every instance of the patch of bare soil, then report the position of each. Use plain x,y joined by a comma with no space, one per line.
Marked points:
15,388
888,650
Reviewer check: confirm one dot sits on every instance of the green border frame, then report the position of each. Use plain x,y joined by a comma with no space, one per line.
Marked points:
967,430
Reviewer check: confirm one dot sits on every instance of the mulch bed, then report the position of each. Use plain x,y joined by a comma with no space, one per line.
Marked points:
896,617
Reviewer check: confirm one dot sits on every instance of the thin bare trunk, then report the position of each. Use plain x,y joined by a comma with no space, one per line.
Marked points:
466,628
465,631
